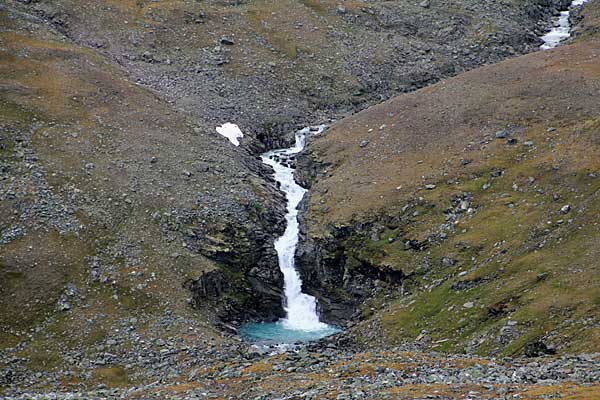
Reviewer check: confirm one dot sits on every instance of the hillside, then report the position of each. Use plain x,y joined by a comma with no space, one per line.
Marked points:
114,207
135,240
481,195
270,65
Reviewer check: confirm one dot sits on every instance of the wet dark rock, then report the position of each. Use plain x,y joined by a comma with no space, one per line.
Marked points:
537,349
227,41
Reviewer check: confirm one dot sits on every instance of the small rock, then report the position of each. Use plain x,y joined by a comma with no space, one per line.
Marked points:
448,262
537,349
565,209
502,134
341,10
64,305
193,374
364,143
468,304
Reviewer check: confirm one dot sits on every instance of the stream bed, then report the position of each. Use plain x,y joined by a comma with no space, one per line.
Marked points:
561,29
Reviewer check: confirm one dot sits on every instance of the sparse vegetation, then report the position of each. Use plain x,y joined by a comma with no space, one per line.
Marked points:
525,251
459,221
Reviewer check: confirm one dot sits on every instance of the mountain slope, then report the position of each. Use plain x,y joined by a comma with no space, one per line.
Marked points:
114,208
129,228
270,65
482,194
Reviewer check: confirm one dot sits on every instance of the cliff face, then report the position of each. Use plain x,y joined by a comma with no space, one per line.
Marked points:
480,196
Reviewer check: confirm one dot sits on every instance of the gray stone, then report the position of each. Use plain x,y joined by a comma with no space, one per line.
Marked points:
502,134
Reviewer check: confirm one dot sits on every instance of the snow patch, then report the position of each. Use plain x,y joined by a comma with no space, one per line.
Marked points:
231,132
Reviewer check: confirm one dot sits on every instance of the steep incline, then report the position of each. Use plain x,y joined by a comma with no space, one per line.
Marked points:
113,206
469,208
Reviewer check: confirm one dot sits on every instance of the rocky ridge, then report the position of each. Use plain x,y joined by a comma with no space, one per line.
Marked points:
269,65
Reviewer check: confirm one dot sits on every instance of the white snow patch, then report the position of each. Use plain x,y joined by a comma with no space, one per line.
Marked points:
231,132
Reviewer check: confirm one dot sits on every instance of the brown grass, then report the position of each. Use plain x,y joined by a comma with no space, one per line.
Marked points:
422,138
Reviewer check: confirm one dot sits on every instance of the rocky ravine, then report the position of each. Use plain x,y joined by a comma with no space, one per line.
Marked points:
120,206
136,172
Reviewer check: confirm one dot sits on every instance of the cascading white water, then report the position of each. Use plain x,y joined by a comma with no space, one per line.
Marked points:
561,30
301,309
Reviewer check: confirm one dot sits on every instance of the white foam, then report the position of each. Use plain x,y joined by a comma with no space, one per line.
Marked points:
561,30
231,132
301,309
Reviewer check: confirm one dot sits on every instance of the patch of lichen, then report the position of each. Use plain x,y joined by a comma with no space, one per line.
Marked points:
111,376
41,355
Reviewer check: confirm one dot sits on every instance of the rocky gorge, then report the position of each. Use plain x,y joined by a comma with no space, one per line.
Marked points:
134,239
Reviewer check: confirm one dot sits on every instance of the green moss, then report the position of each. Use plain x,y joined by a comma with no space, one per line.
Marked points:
8,340
133,299
41,356
95,335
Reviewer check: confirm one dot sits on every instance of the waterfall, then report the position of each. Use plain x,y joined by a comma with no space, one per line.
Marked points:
301,309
